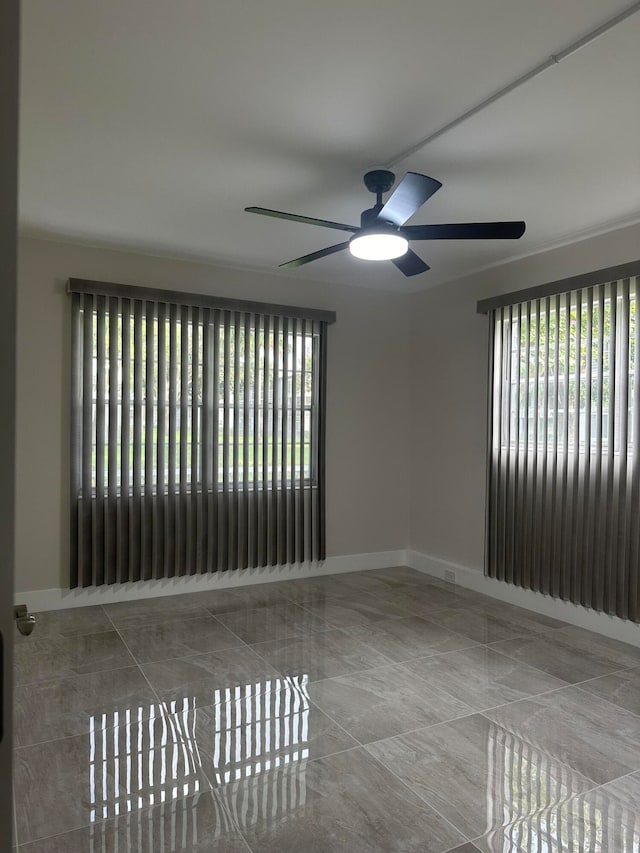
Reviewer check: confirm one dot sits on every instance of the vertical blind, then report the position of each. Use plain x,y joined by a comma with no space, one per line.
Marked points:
197,435
564,473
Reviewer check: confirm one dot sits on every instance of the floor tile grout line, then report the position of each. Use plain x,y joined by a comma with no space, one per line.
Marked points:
604,698
142,672
140,664
491,646
571,797
374,624
399,663
162,621
187,656
362,746
244,642
481,711
501,704
344,630
423,799
484,713
559,690
421,728
389,662
394,663
234,823
48,680
326,678
116,818
72,675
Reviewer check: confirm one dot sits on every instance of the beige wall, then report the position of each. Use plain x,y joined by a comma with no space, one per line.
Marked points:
367,415
448,370
402,468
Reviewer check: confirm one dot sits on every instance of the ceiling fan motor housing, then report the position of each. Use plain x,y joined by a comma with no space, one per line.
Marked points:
369,219
379,180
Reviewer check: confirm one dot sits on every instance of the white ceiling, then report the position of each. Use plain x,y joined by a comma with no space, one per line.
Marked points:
151,124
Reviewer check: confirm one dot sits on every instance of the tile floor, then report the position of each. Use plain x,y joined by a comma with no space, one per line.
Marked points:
373,711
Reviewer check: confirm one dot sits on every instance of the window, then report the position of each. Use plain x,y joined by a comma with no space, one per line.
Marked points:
560,358
197,434
266,399
564,472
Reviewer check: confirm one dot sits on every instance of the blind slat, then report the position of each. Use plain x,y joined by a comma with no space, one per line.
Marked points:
112,557
190,439
195,559
99,542
564,489
161,527
150,362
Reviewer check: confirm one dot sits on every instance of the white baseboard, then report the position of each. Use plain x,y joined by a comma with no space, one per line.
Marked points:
575,614
58,599
602,623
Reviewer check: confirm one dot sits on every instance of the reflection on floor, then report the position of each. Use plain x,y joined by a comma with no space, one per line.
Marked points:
373,711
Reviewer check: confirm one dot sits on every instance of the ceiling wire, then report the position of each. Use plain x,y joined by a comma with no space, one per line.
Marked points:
515,84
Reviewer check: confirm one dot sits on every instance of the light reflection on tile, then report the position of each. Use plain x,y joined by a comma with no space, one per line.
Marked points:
62,707
344,803
245,722
605,820
478,774
131,759
378,703
198,824
594,737
256,727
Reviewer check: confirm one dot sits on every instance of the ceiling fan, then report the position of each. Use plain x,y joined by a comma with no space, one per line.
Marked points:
382,234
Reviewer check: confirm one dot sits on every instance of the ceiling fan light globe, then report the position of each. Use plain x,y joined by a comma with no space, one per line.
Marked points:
378,246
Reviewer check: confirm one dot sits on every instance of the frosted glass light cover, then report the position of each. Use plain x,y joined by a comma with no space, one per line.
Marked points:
378,247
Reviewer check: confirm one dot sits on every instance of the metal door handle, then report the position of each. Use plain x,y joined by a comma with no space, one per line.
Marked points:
25,621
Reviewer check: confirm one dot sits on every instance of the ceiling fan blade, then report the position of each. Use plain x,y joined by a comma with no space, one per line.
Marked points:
314,256
410,194
466,231
411,264
308,220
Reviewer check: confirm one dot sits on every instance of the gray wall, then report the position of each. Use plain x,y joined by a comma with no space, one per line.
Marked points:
449,369
367,415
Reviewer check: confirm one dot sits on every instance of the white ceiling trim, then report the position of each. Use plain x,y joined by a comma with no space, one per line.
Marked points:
205,260
551,62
